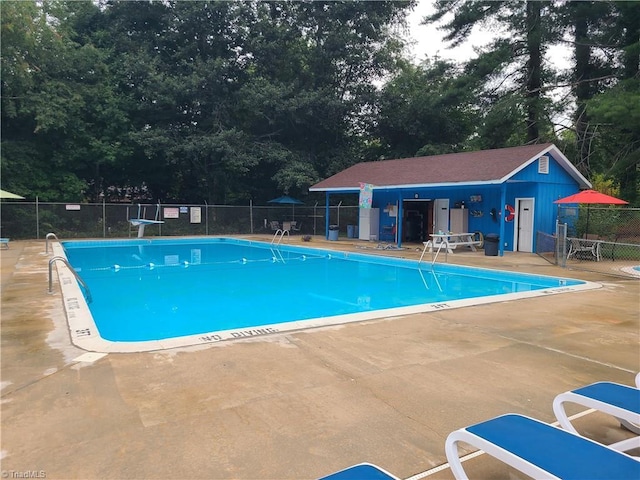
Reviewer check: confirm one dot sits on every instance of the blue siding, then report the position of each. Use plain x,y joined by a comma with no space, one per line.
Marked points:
480,218
556,174
545,188
528,183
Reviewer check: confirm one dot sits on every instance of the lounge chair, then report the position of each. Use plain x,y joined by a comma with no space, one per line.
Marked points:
362,471
621,401
4,243
540,450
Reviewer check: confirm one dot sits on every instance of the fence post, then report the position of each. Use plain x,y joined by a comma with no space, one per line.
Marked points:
206,218
251,215
104,218
37,220
561,244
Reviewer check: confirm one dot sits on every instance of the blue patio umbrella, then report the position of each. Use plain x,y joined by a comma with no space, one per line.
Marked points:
287,200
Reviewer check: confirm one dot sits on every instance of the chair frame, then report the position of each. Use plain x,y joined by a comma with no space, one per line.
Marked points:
620,401
274,225
578,245
526,462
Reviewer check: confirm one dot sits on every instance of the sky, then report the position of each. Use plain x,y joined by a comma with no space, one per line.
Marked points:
430,43
429,38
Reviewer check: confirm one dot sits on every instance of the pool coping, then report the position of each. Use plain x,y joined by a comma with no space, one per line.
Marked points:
85,335
631,271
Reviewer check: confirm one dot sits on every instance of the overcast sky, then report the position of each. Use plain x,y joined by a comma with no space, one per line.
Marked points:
429,39
430,43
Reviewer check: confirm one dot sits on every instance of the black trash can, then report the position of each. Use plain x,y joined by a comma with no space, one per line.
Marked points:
491,241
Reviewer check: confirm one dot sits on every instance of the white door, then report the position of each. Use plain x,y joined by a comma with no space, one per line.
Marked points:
524,225
440,215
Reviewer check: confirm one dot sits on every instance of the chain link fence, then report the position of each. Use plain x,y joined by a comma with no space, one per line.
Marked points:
29,220
613,234
595,238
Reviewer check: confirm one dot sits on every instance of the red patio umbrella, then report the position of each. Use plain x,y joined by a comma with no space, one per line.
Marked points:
591,197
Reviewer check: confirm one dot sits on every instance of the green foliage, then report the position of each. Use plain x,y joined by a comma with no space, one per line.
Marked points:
423,107
223,101
603,79
616,112
605,185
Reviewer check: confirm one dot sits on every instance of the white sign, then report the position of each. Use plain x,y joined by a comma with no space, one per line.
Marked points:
196,214
171,212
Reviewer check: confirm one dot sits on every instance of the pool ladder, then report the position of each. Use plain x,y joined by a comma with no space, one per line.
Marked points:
49,235
279,235
75,274
434,257
275,243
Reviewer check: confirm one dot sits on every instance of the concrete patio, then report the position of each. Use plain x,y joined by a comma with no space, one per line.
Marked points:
302,405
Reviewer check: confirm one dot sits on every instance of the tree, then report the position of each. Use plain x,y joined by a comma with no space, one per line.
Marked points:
60,119
424,110
238,99
605,87
522,33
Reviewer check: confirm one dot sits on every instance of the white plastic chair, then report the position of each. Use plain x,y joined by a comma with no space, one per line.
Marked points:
620,401
540,450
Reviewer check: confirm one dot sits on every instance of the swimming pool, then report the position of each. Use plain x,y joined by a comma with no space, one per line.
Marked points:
163,293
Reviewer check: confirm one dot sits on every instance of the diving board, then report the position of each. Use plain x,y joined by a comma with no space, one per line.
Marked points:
141,223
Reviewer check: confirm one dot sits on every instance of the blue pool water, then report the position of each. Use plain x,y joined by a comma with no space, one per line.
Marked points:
157,289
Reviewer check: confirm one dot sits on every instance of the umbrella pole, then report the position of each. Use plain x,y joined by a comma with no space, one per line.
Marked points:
586,229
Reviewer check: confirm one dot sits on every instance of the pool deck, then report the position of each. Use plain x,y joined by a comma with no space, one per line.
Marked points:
303,404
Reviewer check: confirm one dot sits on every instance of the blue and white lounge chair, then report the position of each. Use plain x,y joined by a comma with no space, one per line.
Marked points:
362,471
540,450
621,401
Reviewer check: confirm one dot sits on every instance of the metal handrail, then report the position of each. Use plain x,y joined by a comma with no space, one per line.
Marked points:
442,243
75,274
277,253
281,233
49,235
431,246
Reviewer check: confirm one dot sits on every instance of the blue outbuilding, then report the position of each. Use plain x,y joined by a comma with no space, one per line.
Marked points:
507,192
